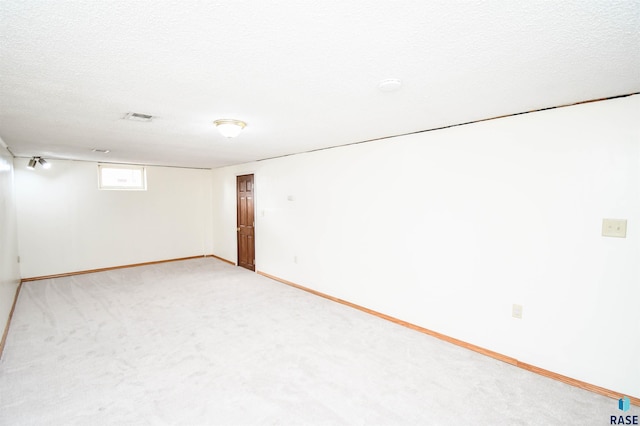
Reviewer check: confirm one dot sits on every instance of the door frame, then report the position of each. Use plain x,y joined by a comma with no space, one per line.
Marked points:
238,217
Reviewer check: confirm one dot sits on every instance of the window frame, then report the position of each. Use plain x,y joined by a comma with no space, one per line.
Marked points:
132,167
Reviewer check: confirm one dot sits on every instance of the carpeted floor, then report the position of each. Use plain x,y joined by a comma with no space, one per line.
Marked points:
201,342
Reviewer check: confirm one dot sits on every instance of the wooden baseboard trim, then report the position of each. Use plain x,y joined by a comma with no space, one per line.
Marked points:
466,345
111,268
223,259
6,328
577,383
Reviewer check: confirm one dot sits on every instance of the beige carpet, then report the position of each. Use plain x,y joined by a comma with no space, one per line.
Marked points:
200,342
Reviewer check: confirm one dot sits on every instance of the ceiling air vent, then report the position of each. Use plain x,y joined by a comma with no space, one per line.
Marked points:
136,116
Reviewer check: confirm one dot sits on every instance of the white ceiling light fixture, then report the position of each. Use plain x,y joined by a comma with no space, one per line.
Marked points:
390,85
229,128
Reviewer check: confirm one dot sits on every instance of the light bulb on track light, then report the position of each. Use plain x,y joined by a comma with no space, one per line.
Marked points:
44,163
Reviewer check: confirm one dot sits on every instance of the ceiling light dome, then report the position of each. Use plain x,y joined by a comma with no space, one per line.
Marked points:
390,85
229,128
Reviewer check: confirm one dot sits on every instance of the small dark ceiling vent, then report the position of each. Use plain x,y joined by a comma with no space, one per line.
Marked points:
136,116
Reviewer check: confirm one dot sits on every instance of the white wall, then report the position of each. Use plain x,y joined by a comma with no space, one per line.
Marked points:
9,271
67,224
448,229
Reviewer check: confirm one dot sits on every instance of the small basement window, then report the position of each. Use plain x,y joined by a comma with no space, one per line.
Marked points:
122,177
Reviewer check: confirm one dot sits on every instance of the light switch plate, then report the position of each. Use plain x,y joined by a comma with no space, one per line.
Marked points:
614,228
516,311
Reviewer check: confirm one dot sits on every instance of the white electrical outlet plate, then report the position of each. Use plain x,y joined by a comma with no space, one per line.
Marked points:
614,228
516,311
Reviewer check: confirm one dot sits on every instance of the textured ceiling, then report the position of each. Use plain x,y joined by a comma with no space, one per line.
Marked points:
302,74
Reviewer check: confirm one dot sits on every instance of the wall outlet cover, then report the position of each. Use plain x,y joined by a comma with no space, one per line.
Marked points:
614,228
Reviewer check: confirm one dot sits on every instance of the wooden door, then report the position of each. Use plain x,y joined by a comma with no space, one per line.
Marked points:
246,222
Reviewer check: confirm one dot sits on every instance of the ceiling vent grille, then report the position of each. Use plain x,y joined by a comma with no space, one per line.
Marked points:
136,116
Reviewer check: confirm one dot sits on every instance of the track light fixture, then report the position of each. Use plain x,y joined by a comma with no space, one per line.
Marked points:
35,160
